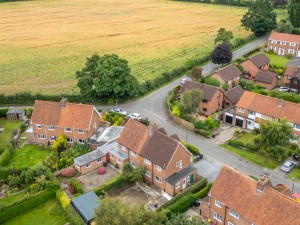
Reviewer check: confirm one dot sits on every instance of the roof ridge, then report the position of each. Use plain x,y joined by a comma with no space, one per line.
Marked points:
69,103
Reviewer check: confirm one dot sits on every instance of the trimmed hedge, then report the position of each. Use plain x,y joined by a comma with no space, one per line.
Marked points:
236,143
180,206
3,112
6,155
192,148
203,193
77,185
116,182
204,133
63,199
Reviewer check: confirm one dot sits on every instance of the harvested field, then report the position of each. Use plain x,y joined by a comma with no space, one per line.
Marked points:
43,43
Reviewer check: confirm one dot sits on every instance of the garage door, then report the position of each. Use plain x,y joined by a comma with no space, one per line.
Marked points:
239,122
228,119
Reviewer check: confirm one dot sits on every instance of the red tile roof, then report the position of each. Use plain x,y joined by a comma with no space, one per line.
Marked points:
238,192
72,116
284,37
270,106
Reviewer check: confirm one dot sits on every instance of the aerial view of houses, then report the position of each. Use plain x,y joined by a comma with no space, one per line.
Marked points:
150,112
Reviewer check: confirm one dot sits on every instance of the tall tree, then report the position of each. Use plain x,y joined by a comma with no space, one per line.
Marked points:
223,36
221,54
276,136
284,27
196,73
106,77
114,211
191,99
182,220
294,12
260,17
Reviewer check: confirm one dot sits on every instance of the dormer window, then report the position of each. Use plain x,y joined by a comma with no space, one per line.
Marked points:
67,129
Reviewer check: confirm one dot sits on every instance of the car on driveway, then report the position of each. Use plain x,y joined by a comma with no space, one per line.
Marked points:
283,89
183,80
135,116
288,166
118,110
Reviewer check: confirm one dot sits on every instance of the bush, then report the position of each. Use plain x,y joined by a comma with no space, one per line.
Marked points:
203,193
69,172
200,125
251,147
296,31
63,198
28,112
3,112
116,182
4,172
257,139
77,185
193,149
204,133
236,143
73,216
6,155
176,111
183,204
212,81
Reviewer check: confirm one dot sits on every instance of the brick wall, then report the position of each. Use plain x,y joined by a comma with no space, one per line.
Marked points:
212,106
94,165
284,48
268,86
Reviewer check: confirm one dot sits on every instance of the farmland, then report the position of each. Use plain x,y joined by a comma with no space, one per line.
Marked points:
43,43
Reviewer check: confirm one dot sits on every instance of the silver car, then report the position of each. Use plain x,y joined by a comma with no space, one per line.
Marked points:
135,116
288,166
118,110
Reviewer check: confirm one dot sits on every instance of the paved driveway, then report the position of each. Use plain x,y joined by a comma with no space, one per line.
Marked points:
208,168
294,62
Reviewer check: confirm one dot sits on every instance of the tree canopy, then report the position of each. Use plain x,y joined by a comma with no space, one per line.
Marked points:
221,54
260,17
191,99
284,27
294,12
106,77
196,73
182,220
223,36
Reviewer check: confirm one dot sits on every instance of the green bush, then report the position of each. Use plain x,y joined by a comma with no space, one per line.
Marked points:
6,155
212,81
203,193
4,172
236,143
63,199
176,111
204,133
180,206
251,147
73,216
199,124
3,112
193,149
77,185
116,182
296,31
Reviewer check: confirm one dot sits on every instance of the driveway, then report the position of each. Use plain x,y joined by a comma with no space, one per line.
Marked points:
208,168
294,62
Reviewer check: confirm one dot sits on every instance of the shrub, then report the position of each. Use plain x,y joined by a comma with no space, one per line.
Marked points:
5,172
77,185
212,81
101,171
176,111
251,147
28,112
116,182
6,155
200,125
63,198
257,139
73,216
204,133
193,149
69,172
236,143
180,206
203,193
225,86
3,112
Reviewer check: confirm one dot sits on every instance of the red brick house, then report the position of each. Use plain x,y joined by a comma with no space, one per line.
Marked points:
229,74
284,44
267,79
237,199
255,64
232,96
50,119
291,79
212,96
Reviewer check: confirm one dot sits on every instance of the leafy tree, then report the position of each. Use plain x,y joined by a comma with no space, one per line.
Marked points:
275,137
224,36
196,73
294,12
182,220
221,54
225,86
106,77
60,144
191,99
131,174
124,214
260,17
212,81
284,27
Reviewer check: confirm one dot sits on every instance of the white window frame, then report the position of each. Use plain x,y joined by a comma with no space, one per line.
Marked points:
41,136
148,173
66,129
180,164
295,126
99,160
51,128
38,126
218,204
158,168
229,223
134,164
291,51
159,180
147,161
241,110
234,214
81,141
252,113
265,117
80,131
133,153
274,42
292,44
177,185
119,161
124,148
283,42
52,138
88,165
70,140
177,164
218,217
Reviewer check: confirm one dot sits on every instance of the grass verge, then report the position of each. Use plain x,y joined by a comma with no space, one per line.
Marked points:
295,174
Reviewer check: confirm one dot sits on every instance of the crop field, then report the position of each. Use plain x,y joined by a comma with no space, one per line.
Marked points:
44,42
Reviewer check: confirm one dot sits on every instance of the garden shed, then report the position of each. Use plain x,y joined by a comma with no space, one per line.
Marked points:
85,205
15,114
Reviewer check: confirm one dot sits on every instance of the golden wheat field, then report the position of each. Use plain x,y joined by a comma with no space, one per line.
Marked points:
43,43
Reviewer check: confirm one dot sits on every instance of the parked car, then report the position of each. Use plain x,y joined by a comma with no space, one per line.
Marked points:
283,89
135,116
288,166
118,110
184,79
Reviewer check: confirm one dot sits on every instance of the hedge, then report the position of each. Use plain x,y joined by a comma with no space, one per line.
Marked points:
63,198
77,185
180,206
203,193
192,148
236,143
3,112
204,133
6,155
116,182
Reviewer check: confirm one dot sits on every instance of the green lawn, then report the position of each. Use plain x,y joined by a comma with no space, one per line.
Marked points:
9,127
277,60
12,198
247,138
42,215
252,157
29,155
295,174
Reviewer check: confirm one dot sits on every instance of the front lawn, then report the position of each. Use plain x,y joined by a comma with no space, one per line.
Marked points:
247,138
295,174
277,59
12,198
48,214
252,157
29,155
9,127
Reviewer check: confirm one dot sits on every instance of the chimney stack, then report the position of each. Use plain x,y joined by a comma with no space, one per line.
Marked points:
280,103
63,103
263,181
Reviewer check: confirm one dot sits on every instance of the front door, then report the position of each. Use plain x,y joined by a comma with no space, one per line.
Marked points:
184,183
281,51
192,178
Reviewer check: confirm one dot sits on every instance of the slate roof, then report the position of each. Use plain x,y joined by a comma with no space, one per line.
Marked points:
265,77
72,116
89,157
15,110
229,72
284,37
270,106
238,192
208,90
85,205
259,60
180,174
234,94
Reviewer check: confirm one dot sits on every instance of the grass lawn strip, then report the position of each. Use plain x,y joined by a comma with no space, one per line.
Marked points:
9,126
247,138
252,157
295,174
41,215
277,60
12,198
28,155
